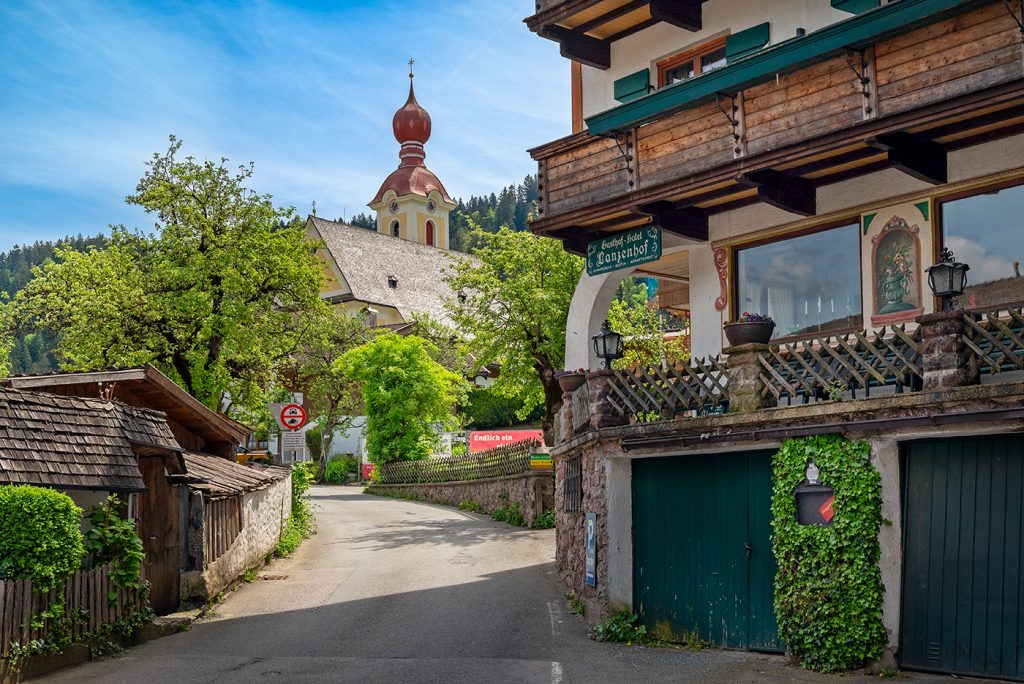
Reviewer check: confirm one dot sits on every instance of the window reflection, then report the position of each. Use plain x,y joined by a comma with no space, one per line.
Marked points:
808,284
987,232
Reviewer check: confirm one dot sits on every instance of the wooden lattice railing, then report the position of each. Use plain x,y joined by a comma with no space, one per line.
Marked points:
511,459
810,369
700,385
580,407
997,339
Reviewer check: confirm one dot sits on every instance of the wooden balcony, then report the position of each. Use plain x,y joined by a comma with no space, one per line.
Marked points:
901,102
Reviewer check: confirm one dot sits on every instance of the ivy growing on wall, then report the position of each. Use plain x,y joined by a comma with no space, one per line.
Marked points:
828,590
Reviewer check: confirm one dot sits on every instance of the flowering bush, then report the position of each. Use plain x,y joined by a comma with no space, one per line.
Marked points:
747,317
564,373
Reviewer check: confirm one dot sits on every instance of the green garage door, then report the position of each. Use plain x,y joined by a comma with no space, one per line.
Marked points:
962,520
702,558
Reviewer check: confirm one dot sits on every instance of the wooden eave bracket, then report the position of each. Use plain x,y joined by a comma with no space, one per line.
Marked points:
789,193
914,155
687,222
685,14
580,47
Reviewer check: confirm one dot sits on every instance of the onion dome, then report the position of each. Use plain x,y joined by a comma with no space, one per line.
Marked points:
412,129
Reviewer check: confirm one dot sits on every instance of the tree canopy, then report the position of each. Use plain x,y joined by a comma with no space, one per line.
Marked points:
406,393
218,297
515,303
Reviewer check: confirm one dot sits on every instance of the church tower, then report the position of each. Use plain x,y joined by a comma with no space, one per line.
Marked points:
412,204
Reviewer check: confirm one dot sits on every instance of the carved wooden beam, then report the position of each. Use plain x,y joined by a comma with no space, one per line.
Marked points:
682,13
688,222
580,47
793,194
914,155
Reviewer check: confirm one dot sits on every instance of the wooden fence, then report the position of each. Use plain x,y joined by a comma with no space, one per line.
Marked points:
86,595
997,339
223,519
511,459
700,385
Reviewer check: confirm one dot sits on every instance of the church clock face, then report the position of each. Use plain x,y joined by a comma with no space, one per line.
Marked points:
393,206
431,206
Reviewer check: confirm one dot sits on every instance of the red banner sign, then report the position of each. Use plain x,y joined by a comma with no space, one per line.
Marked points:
484,440
826,510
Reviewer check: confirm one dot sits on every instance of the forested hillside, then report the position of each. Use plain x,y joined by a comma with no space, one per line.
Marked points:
511,207
33,352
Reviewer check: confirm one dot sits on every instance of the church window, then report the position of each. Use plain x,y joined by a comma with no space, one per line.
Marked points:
430,233
394,228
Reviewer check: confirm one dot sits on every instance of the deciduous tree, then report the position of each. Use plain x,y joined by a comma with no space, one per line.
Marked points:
514,302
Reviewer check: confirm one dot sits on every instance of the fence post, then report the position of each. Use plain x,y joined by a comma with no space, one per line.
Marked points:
946,360
746,388
602,413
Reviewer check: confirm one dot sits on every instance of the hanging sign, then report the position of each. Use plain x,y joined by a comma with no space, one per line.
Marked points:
293,416
590,539
624,250
293,441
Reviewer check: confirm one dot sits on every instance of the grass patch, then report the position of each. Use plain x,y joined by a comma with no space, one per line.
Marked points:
576,606
470,505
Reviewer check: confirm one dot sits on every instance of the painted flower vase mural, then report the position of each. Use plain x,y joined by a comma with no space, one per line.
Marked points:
896,260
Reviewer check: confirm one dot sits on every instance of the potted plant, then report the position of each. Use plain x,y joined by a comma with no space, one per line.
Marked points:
571,380
749,328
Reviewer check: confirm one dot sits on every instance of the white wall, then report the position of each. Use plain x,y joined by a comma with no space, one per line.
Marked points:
644,48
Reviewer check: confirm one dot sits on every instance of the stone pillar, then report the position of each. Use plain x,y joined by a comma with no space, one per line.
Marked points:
563,420
746,389
601,412
946,360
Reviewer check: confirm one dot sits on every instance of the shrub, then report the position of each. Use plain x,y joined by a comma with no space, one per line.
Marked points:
485,408
301,525
621,628
508,511
39,536
544,521
828,590
470,505
339,467
112,539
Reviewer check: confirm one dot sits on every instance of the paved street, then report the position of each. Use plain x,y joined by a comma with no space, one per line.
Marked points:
397,591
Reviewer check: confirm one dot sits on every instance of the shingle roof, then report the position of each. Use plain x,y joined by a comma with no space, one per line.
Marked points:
218,477
366,258
74,443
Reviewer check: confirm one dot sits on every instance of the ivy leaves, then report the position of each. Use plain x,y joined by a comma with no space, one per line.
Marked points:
828,590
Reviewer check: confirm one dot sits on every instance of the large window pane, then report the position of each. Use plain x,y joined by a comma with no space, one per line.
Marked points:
808,284
987,232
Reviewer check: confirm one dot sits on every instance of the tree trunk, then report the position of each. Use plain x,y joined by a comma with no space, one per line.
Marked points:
552,404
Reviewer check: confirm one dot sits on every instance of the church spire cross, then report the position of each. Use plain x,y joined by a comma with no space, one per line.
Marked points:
411,62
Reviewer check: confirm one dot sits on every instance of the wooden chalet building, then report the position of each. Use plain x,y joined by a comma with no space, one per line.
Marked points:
808,160
203,518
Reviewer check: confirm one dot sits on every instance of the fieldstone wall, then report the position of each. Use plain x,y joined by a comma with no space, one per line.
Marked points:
264,515
570,539
534,491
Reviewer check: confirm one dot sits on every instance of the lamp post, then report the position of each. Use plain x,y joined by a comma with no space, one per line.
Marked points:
607,345
947,278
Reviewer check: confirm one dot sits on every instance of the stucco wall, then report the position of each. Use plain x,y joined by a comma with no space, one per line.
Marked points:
533,491
264,514
645,48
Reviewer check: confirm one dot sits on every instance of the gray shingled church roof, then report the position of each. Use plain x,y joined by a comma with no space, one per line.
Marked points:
367,258
72,443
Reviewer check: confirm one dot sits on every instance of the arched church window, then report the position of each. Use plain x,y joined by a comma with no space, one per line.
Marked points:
430,233
394,228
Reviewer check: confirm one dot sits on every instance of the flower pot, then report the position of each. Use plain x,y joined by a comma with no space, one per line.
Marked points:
748,333
571,383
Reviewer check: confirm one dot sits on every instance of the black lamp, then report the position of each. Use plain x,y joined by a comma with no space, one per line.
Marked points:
607,344
947,279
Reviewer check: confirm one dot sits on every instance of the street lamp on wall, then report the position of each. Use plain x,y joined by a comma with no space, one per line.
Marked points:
607,345
947,278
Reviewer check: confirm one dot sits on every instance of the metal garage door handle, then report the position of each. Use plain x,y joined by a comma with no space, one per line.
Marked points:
749,548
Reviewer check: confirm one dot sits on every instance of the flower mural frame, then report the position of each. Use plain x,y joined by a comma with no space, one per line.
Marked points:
896,273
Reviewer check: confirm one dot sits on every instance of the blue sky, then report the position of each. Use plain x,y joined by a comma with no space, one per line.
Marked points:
90,90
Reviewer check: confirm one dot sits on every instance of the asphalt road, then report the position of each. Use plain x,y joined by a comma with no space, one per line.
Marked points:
397,591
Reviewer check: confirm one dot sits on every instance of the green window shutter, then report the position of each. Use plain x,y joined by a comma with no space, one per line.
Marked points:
855,6
632,87
746,42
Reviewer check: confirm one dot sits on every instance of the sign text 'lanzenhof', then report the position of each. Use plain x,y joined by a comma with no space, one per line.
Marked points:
623,250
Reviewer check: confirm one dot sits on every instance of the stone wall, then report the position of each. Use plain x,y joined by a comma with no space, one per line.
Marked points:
534,491
264,515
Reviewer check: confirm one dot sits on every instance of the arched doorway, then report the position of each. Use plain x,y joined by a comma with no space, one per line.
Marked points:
395,229
430,233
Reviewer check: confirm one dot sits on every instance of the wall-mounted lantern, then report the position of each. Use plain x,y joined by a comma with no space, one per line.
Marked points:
947,278
607,344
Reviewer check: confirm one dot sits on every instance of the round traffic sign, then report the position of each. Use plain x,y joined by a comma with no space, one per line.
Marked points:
293,416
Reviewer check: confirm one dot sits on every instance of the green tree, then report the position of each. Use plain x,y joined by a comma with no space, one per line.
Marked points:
515,304
643,329
331,398
405,394
218,297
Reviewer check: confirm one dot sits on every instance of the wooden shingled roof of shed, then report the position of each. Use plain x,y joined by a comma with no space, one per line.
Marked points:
72,443
219,478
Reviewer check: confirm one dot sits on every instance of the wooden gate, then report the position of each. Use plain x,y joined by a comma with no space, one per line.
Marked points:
702,558
962,563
